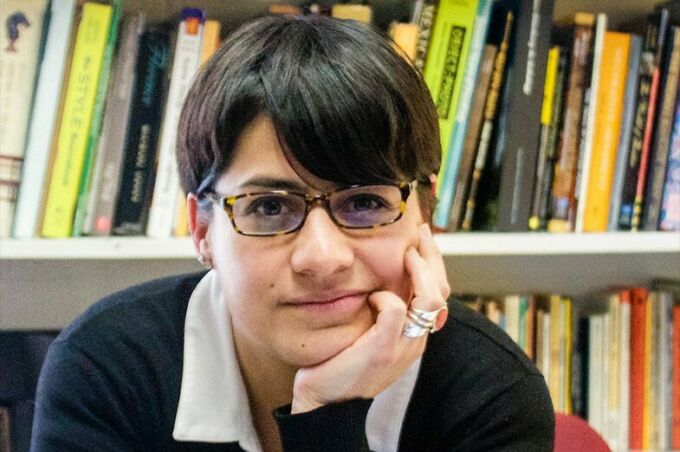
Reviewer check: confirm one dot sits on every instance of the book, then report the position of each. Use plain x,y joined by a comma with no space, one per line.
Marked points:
563,201
588,124
504,23
654,44
424,16
96,122
445,64
405,37
638,315
21,32
662,134
472,136
53,67
184,66
111,145
611,410
609,110
359,13
624,367
449,179
669,217
76,119
143,130
596,372
210,42
550,121
517,145
626,133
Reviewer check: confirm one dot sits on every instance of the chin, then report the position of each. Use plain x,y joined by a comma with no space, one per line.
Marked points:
323,345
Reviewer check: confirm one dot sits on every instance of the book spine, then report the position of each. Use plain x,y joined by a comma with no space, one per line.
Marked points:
448,181
96,124
136,179
611,410
664,407
669,217
543,164
75,124
654,42
595,371
567,309
624,367
425,20
184,66
445,64
675,428
490,112
662,133
554,384
625,137
637,369
111,145
43,119
588,124
519,148
472,137
563,201
21,32
610,94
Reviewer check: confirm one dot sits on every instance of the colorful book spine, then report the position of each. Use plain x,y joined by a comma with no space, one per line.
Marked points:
185,64
656,37
111,145
626,135
136,179
424,17
21,32
44,119
73,132
662,133
448,182
472,137
507,24
609,110
209,44
669,217
518,146
588,124
563,204
550,118
446,61
96,123
638,314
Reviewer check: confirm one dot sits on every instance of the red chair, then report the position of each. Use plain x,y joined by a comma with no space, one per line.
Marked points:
574,434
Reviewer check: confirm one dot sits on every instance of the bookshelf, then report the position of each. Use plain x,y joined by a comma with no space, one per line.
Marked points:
38,276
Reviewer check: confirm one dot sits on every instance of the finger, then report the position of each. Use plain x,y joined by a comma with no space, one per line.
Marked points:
391,313
425,286
428,249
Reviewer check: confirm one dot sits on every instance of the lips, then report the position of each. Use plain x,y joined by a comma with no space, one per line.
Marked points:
345,302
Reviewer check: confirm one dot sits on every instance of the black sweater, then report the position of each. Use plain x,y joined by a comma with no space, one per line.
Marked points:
111,382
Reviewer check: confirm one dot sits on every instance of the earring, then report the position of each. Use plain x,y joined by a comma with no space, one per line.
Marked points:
204,261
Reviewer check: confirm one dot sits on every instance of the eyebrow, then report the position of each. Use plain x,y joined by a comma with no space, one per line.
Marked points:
273,183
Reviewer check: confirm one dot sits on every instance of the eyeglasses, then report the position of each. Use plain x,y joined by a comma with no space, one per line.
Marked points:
281,212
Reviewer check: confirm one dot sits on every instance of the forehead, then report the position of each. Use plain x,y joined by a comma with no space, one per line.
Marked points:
258,156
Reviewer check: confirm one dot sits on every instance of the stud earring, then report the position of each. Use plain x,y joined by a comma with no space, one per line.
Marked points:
204,261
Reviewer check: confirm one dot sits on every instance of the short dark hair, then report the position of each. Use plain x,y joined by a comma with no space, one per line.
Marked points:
344,103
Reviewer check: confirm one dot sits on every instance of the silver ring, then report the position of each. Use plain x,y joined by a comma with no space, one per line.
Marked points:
420,322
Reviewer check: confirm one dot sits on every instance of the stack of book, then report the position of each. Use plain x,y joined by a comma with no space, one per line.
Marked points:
614,361
560,127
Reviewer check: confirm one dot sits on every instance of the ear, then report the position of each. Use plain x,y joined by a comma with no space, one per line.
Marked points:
199,225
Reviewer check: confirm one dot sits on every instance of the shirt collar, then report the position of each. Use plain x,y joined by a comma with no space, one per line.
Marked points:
213,403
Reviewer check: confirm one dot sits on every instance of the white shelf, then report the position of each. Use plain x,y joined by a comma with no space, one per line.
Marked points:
46,283
463,244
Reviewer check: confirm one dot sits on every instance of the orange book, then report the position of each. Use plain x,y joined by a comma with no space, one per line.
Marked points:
638,310
610,95
675,428
647,375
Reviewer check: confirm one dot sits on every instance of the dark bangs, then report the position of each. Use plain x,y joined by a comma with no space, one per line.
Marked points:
345,105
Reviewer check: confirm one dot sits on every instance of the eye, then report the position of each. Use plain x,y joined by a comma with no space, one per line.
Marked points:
365,202
267,206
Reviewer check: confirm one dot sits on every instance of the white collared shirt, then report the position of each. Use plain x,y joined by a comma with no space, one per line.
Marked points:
213,403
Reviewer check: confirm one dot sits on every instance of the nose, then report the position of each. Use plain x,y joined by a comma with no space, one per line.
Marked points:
321,248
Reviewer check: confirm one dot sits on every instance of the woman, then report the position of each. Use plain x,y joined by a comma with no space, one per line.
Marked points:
307,147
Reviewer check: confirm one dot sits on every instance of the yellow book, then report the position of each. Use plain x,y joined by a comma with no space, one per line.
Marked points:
446,62
555,365
210,42
81,90
609,108
405,36
360,13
